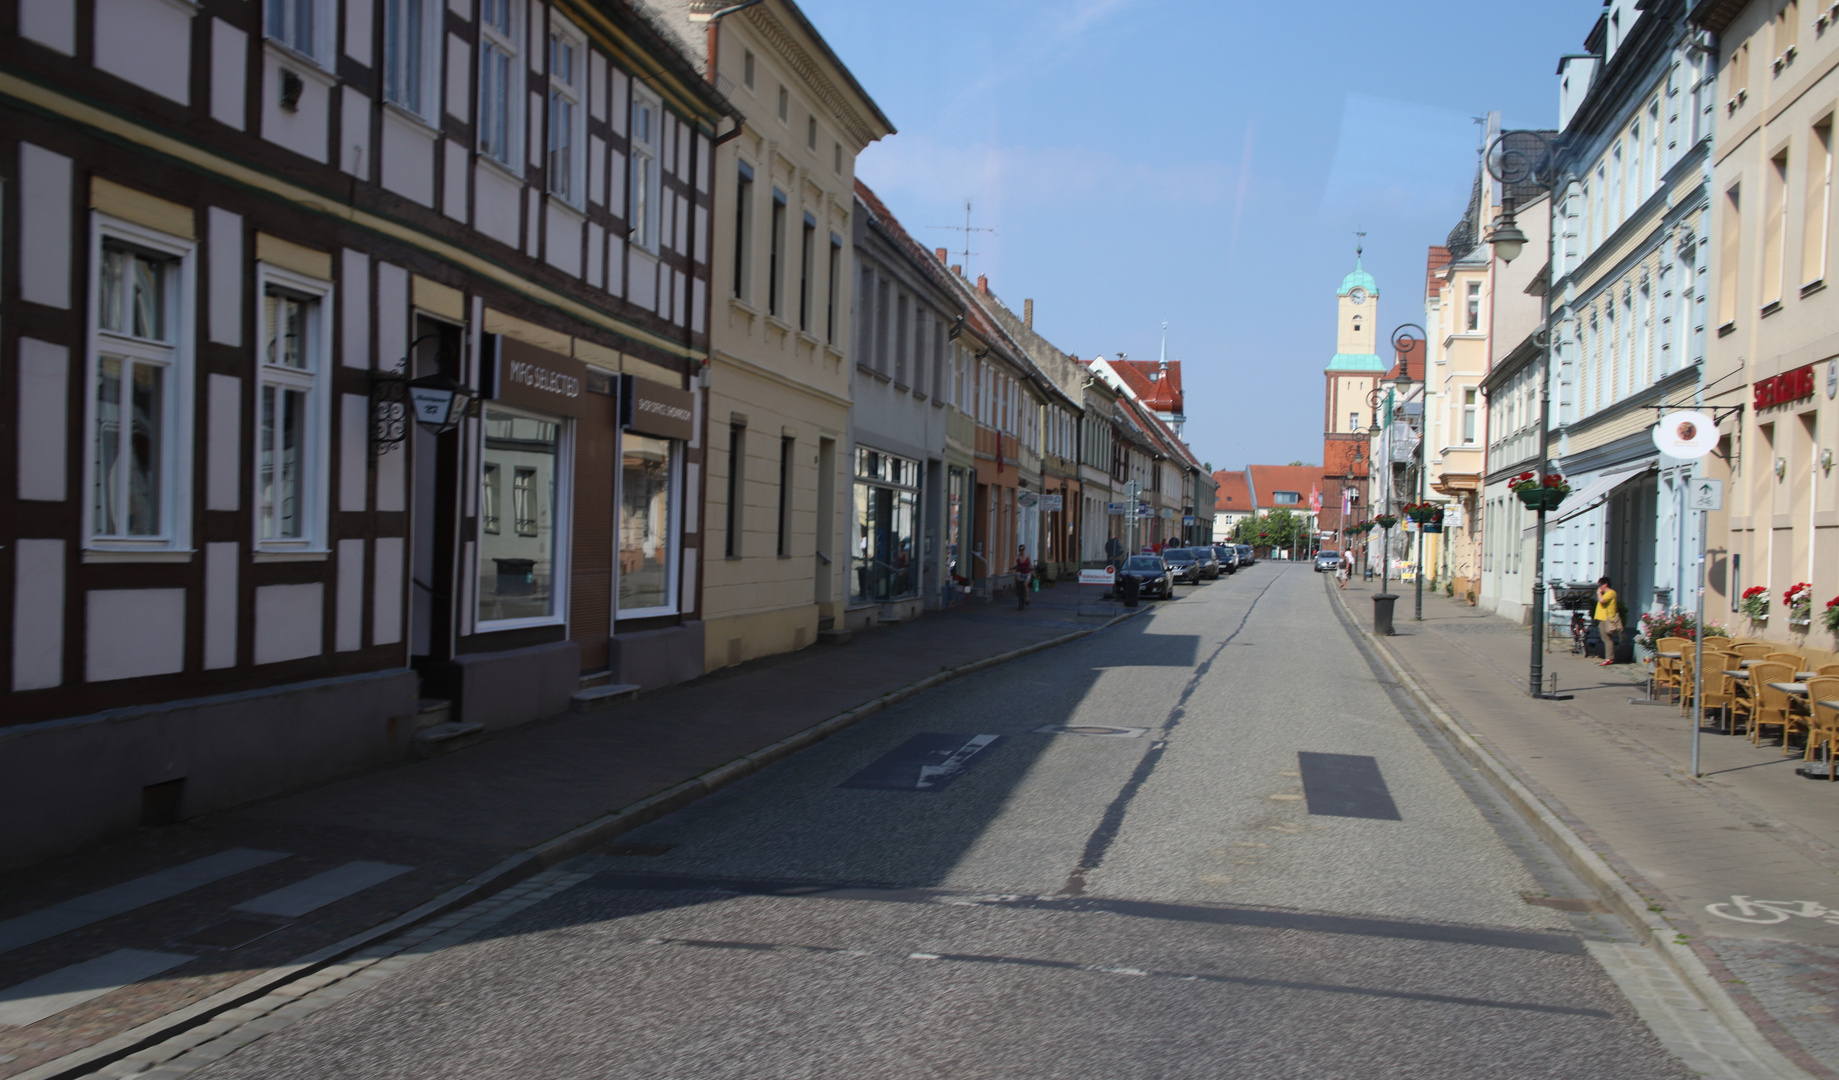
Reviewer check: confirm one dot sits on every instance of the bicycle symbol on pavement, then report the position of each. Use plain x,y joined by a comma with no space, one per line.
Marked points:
1744,909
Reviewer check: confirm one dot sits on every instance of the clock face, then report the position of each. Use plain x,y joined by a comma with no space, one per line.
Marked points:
1358,295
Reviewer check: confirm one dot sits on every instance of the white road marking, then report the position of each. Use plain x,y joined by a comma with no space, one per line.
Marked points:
117,899
955,763
322,889
52,993
1767,912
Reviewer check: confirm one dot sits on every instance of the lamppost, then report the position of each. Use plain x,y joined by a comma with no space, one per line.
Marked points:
1403,344
1525,158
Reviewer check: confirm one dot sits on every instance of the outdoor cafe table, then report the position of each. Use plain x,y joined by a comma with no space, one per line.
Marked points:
1745,676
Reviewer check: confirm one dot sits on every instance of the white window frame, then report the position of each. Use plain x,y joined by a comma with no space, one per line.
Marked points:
567,181
318,46
424,82
559,567
645,191
1471,418
674,531
493,39
316,381
178,358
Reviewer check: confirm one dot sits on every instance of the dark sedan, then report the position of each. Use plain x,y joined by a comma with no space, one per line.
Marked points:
1209,563
1228,556
1184,564
1152,575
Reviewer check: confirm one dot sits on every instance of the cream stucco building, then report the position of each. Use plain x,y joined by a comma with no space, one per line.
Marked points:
778,376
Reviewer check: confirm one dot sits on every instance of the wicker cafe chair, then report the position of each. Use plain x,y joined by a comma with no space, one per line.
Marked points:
1720,688
1827,670
1667,668
1752,650
1772,707
1796,660
1823,726
1715,662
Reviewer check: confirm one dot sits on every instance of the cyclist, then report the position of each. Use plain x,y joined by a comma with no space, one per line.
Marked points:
1024,574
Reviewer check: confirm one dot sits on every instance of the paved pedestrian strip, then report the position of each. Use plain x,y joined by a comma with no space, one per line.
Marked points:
120,899
322,889
48,995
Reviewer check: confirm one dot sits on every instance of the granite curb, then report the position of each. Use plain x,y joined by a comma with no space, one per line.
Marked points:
524,864
1656,933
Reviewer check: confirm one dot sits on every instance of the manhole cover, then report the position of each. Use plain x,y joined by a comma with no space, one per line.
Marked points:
230,933
1100,730
637,849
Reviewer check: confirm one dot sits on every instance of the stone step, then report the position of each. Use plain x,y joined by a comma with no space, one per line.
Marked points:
602,697
593,679
825,622
833,636
432,712
446,738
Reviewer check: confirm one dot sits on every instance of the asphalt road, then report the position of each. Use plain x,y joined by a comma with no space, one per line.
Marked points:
1282,875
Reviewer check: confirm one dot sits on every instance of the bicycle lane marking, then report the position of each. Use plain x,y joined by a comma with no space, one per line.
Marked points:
1769,912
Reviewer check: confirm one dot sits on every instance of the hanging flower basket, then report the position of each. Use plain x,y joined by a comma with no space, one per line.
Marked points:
1537,494
1755,603
1830,617
1423,513
1385,521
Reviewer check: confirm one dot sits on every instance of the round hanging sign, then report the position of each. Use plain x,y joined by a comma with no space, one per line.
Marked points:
1685,434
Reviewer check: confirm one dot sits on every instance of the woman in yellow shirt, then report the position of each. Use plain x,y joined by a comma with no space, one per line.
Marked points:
1608,620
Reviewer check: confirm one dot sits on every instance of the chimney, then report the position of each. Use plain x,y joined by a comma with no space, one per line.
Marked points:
940,252
1028,314
958,270
983,284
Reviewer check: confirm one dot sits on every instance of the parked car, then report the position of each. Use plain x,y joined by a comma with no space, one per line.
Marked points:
1329,561
1228,556
1184,564
1209,562
1247,556
1152,575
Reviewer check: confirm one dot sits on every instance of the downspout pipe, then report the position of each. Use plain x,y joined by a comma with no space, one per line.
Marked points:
715,22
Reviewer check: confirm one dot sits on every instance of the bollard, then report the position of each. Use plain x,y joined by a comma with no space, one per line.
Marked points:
1382,613
1130,588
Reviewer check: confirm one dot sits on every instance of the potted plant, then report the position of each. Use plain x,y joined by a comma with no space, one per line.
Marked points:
1539,494
1677,624
1830,617
1755,603
1386,521
1421,513
1799,602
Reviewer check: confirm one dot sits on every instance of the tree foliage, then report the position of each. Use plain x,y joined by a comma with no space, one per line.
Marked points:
1275,529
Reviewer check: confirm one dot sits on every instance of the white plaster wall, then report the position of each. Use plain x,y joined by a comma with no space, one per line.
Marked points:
699,303
562,248
533,130
386,589
596,254
616,265
354,308
459,78
134,632
408,158
495,204
229,75
533,210
392,490
38,614
51,23
353,453
622,87
642,286
306,130
354,154
453,180
221,598
392,314
596,85
44,411
44,225
223,471
148,43
348,632
617,176
225,275
288,622
357,31
596,170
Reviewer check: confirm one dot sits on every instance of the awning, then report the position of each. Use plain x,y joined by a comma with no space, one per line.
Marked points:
1593,493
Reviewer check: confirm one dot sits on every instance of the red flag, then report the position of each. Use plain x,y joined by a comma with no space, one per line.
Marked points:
1315,498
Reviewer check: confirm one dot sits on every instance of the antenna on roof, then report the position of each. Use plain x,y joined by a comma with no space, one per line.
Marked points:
967,230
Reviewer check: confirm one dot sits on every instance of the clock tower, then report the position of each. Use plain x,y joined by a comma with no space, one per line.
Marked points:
1351,376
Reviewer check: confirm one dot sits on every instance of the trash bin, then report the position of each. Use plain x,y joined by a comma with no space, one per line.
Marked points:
1130,589
1382,613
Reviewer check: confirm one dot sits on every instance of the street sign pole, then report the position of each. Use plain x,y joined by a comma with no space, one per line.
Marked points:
1698,657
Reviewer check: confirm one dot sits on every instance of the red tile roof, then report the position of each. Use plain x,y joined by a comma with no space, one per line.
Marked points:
1438,259
1146,383
1233,493
1411,358
1267,480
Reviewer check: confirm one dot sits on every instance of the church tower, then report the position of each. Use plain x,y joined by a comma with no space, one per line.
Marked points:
1350,378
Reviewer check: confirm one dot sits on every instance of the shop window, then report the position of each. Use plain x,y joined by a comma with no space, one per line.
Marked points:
520,569
787,446
885,564
137,399
831,282
737,452
647,521
743,222
807,254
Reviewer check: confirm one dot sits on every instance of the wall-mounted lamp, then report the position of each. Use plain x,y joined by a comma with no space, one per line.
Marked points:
1826,461
1781,468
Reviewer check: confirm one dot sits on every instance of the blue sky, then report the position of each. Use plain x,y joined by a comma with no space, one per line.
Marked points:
1204,162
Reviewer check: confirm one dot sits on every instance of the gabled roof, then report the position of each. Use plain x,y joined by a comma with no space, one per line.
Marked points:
1149,383
1434,262
1406,358
883,221
1234,492
1267,480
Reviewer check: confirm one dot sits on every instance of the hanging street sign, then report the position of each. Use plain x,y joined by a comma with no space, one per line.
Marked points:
1685,434
1704,494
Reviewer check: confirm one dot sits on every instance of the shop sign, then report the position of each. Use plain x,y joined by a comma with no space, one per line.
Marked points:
1107,576
538,379
651,408
1114,508
1028,500
1788,386
1053,504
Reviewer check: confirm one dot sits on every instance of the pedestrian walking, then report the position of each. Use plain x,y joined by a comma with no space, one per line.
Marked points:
1345,569
1024,576
1608,620
1114,551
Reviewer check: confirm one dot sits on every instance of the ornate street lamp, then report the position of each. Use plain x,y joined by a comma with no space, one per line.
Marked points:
1521,159
1403,345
